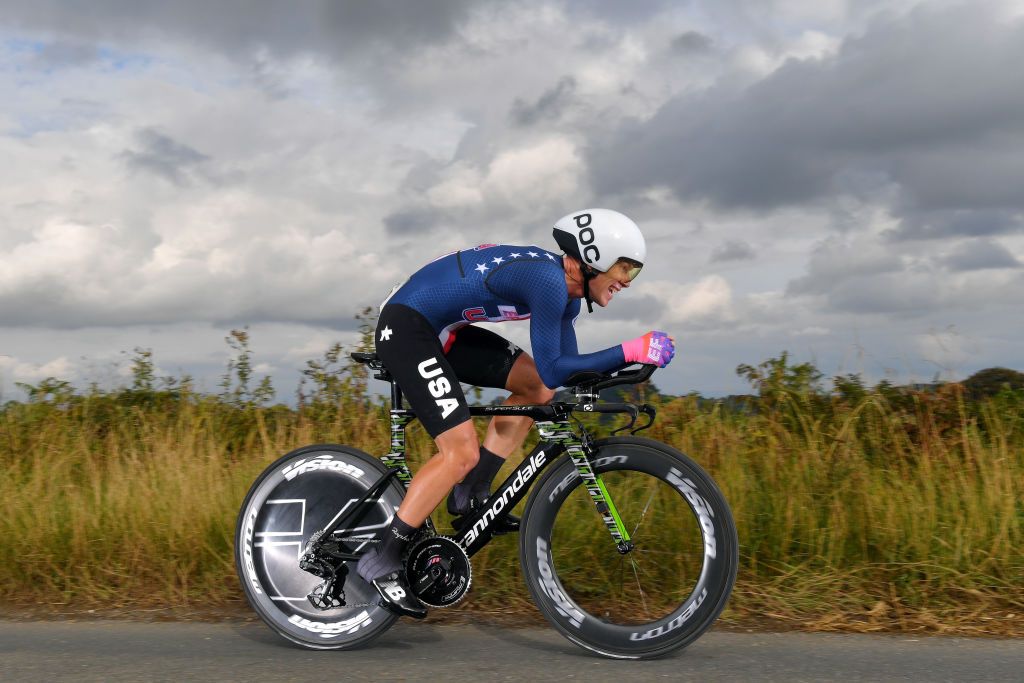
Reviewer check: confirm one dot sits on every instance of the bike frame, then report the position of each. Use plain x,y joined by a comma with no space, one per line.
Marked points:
557,437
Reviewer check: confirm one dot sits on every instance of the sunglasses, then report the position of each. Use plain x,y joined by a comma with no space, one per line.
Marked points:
629,266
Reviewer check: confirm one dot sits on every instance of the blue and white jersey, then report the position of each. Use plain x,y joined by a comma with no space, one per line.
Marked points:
499,282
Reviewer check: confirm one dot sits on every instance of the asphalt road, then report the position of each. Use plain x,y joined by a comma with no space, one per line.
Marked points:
127,651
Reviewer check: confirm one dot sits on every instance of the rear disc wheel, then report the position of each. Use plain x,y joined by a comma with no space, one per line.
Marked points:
299,494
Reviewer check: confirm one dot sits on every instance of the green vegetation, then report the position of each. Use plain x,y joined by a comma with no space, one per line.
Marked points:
857,507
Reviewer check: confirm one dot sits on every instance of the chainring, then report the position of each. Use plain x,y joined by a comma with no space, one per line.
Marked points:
439,571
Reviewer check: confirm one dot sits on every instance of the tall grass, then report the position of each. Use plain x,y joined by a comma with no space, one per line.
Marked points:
881,511
873,511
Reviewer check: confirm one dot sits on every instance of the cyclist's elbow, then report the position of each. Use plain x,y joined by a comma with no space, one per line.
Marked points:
541,394
551,379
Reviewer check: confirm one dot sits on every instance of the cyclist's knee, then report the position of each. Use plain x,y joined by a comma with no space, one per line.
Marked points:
460,448
525,381
463,459
543,394
535,392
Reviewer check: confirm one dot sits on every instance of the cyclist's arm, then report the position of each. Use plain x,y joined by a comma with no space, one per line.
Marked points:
568,342
552,337
553,340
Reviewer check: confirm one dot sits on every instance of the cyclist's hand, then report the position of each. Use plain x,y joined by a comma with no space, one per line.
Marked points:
654,348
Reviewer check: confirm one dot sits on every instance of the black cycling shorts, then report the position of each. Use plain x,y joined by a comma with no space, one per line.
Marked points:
429,378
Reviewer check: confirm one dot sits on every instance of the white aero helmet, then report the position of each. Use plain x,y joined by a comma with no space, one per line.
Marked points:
598,238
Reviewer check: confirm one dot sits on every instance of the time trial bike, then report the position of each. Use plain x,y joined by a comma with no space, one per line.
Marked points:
627,546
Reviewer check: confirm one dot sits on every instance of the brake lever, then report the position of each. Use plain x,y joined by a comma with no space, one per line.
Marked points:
651,412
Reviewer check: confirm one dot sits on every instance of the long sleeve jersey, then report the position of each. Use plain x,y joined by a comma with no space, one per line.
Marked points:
500,282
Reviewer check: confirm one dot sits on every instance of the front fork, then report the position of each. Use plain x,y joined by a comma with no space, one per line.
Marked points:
581,450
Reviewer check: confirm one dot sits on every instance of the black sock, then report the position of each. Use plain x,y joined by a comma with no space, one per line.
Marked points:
389,557
477,483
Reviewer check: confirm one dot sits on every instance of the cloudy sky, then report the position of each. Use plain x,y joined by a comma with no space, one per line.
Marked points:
840,179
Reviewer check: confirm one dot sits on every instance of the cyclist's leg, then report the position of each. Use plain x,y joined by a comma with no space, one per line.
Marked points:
409,348
486,359
506,433
458,451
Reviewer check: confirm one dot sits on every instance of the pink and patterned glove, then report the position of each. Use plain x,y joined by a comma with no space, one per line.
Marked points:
654,348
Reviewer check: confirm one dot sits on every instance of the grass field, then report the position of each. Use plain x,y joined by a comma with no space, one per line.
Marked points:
873,509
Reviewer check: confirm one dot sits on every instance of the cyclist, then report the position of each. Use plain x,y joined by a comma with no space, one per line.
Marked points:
426,340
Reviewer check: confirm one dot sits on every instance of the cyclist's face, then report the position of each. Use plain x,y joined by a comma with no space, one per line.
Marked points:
625,270
605,285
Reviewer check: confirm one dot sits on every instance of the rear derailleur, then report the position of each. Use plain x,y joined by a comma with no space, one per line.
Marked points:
326,559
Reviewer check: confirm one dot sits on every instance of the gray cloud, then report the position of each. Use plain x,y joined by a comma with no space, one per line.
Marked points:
980,255
61,53
412,221
931,103
341,29
357,130
733,250
869,275
953,222
692,42
618,11
630,306
836,261
163,156
888,293
548,106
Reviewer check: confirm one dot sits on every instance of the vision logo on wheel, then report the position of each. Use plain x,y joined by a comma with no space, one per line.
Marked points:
332,629
250,566
675,623
321,462
700,506
550,586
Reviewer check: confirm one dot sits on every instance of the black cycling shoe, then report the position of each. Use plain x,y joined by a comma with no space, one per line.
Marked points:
397,597
509,524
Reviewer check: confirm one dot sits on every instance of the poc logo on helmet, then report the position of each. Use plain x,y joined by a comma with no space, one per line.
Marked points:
586,237
439,387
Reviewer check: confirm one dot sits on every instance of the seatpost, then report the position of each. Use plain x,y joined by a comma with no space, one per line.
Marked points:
396,396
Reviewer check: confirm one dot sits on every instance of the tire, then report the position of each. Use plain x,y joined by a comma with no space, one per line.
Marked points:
297,495
659,597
